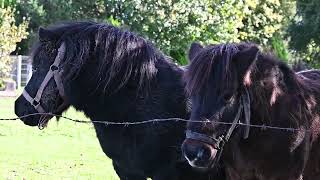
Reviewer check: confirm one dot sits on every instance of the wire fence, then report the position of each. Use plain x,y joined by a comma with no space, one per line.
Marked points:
262,127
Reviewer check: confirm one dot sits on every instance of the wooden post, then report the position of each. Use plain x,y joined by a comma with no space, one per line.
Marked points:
19,64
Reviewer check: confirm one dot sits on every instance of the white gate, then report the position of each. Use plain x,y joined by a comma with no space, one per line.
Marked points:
22,70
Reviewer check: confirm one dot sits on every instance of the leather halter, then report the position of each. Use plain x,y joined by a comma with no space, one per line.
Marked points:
55,73
218,143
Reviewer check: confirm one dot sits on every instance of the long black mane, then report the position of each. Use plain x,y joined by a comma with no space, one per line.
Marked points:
121,56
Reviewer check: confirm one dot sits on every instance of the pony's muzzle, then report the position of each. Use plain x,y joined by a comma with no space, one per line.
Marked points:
198,154
22,107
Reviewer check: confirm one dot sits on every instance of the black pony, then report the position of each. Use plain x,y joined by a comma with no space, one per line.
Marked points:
237,83
113,75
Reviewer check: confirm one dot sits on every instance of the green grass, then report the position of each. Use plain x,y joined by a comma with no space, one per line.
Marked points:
64,150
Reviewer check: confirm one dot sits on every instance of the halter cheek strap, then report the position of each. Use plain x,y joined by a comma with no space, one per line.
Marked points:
56,75
247,112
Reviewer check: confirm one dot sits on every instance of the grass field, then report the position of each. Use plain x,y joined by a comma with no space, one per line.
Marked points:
64,150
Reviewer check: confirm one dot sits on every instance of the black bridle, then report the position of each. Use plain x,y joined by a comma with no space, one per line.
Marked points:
219,142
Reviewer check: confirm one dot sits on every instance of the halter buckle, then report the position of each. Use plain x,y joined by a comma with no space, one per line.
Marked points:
54,67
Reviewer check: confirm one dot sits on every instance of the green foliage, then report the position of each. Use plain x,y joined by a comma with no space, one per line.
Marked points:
310,55
279,47
262,18
63,10
305,28
10,34
44,13
171,25
304,31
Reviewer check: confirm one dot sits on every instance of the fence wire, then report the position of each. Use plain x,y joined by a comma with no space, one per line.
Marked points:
262,127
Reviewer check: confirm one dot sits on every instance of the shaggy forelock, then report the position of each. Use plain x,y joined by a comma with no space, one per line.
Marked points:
213,58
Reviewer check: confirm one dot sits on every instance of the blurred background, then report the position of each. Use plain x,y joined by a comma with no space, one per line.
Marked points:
289,28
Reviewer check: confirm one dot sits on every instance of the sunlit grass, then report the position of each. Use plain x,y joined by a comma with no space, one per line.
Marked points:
64,150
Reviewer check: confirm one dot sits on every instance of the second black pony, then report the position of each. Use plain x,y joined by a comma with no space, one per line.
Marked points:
237,83
113,75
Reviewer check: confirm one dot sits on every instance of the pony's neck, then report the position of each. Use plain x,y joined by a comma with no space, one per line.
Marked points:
278,99
164,98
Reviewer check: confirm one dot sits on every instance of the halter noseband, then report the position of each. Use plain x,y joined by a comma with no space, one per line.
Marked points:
56,75
218,143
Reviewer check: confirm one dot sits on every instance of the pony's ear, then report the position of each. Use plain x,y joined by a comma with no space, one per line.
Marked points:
245,58
195,48
46,35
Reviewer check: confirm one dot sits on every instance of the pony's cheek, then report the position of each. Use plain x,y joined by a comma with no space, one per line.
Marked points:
50,96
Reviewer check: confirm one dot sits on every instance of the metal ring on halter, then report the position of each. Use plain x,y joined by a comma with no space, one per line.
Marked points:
54,68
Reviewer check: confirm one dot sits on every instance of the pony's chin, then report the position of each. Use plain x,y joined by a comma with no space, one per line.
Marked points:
201,166
30,121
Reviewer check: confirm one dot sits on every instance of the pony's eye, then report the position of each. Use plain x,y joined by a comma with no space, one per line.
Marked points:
34,69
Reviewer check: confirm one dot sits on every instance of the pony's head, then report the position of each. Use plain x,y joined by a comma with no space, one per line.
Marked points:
95,59
44,92
220,80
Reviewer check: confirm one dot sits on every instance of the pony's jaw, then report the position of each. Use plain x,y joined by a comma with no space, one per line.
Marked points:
199,155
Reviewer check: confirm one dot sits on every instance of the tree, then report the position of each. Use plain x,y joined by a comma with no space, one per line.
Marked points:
10,34
262,18
305,28
48,12
265,22
304,32
173,25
